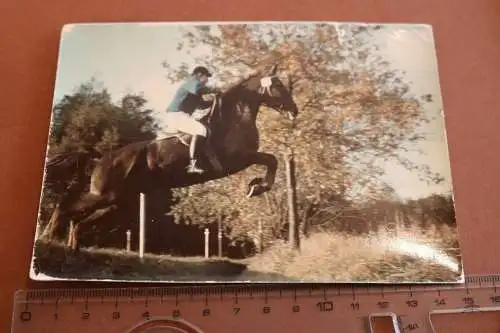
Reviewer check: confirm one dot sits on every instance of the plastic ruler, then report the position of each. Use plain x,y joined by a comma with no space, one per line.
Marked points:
469,307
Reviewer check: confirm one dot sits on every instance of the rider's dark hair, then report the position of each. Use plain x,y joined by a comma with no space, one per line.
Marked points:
201,70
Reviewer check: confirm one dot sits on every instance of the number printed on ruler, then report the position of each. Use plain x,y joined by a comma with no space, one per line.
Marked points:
249,309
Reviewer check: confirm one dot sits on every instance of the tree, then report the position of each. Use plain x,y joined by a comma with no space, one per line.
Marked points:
354,112
88,121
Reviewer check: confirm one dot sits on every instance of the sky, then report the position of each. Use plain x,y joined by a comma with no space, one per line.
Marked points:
127,57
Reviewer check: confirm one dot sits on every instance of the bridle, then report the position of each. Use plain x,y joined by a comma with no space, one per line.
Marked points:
265,88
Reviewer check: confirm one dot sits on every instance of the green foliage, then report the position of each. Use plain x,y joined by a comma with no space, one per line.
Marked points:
89,120
434,210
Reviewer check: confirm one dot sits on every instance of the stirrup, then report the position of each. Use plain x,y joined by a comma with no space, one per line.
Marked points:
192,168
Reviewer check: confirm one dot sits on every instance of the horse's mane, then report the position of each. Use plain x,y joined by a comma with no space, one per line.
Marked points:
258,71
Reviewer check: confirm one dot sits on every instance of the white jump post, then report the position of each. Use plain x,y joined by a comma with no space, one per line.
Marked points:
207,233
129,236
142,224
261,237
219,243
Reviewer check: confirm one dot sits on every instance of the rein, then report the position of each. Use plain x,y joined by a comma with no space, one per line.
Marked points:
212,108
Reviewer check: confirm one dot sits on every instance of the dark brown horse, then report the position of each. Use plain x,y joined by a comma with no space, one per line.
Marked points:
143,167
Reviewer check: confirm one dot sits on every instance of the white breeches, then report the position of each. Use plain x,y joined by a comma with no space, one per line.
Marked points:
180,121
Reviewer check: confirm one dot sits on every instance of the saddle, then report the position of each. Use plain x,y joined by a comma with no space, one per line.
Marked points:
203,115
169,133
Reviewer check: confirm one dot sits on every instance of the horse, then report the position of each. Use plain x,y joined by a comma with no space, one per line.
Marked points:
232,145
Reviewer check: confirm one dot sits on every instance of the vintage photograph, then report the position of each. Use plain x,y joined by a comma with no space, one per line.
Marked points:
247,152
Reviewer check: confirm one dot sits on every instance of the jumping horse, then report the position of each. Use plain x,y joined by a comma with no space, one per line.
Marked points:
232,146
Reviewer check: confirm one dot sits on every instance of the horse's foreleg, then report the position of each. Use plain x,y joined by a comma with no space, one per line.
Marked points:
258,185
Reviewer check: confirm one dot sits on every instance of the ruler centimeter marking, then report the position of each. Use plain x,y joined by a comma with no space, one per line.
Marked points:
264,308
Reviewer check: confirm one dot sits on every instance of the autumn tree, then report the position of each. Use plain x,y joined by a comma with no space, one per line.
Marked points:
354,111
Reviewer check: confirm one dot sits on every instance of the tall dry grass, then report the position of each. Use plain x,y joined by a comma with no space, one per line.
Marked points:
397,255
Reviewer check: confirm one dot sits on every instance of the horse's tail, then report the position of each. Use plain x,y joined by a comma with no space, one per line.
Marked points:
68,165
65,175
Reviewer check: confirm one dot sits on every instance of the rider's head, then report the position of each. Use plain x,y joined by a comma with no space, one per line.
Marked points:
202,74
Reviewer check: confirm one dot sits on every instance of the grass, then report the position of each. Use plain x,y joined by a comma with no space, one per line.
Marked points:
399,255
53,260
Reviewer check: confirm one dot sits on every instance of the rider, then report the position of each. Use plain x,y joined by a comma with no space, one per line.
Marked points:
189,97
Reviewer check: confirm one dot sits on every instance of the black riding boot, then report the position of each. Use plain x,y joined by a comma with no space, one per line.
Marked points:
196,147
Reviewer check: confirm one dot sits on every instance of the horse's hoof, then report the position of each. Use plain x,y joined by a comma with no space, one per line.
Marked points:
256,187
251,191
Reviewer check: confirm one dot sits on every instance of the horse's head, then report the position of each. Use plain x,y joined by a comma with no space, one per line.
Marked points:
274,94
